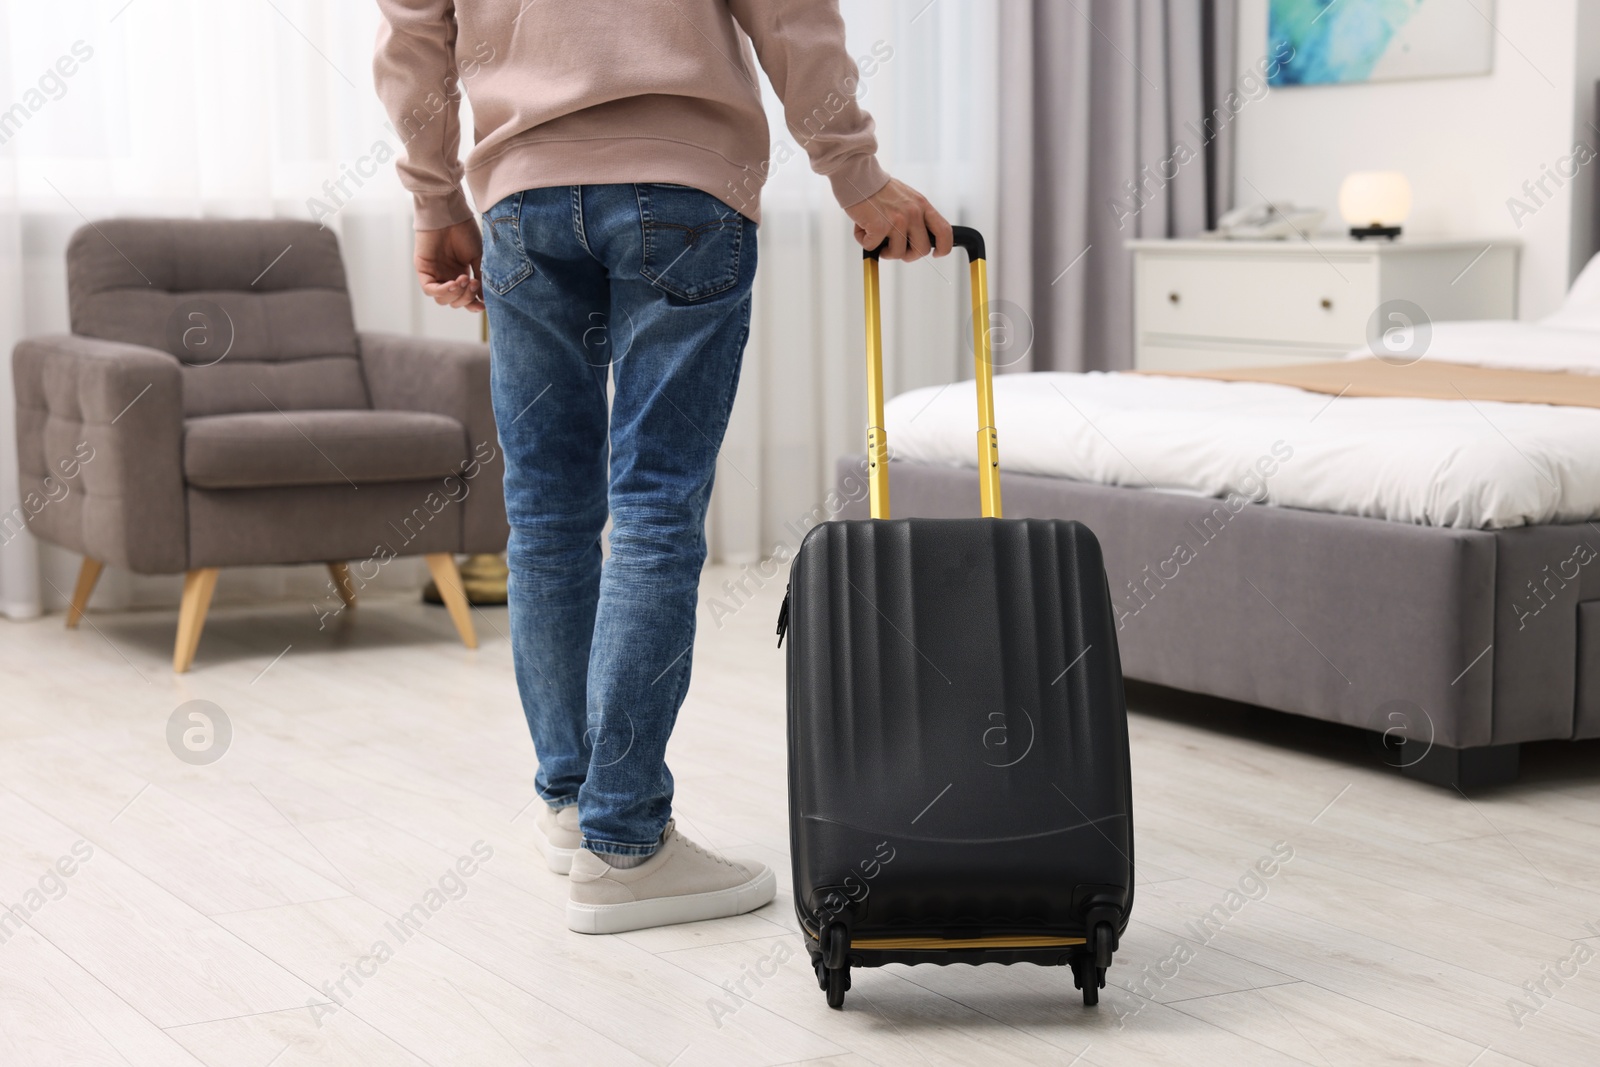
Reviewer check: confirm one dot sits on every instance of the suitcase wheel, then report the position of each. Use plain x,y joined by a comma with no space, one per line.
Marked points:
1089,966
1087,977
1105,940
836,983
833,966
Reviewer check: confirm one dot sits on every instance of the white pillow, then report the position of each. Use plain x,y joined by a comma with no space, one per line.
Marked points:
1581,309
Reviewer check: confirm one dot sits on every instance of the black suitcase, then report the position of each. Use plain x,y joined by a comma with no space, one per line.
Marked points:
959,784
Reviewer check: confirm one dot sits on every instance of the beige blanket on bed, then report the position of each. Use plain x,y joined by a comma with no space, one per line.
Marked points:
1427,380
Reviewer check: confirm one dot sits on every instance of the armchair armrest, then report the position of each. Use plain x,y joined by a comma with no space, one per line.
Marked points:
447,378
100,450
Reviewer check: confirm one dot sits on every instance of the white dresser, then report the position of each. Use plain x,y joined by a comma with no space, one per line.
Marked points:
1215,303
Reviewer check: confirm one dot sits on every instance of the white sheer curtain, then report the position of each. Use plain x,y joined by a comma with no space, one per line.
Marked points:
802,399
199,108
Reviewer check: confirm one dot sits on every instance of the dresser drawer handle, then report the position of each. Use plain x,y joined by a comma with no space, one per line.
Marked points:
1172,297
1327,305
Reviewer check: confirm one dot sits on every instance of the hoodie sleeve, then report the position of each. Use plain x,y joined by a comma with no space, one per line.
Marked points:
414,69
800,44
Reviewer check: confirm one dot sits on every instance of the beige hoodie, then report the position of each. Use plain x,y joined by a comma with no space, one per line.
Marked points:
570,92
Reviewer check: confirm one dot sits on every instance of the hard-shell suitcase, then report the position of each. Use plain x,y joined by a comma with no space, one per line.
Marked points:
959,785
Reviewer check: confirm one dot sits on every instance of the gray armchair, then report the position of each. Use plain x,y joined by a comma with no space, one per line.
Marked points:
214,406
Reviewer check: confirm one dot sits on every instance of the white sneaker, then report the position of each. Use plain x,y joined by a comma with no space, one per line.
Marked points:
558,836
681,883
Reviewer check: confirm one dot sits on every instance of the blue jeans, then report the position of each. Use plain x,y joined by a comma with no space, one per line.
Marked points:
650,283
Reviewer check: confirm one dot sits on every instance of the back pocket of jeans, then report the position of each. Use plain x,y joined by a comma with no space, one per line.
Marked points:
505,260
692,241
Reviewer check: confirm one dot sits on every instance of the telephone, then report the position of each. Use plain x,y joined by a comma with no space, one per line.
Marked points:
1269,222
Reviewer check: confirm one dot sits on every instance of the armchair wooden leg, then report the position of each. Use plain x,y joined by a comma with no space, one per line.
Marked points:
88,575
342,584
197,587
448,579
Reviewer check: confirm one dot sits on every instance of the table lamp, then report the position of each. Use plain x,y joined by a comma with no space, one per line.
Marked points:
1375,203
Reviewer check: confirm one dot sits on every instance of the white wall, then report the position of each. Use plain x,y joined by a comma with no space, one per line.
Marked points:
1467,144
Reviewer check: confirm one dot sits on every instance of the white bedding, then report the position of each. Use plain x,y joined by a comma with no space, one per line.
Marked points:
1434,462
1568,340
1506,345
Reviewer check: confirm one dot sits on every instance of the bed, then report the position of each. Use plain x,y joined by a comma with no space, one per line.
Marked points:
1421,566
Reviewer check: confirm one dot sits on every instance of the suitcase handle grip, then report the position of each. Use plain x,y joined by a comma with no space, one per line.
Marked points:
971,241
966,238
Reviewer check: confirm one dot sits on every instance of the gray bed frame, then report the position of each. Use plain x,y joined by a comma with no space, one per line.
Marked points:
1458,645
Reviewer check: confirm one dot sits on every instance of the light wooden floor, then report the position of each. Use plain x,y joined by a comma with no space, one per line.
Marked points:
221,906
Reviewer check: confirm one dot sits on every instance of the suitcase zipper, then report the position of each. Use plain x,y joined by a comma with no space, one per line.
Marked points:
783,617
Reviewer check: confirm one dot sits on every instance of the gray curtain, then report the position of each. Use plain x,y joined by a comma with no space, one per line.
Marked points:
1112,126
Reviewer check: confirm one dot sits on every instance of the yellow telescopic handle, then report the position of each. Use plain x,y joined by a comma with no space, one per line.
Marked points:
983,364
877,437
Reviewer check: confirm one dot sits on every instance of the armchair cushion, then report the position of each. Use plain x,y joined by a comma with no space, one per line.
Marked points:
280,283
287,448
257,311
300,384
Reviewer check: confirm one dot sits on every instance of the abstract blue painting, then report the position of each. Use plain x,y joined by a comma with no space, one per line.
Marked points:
1328,42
